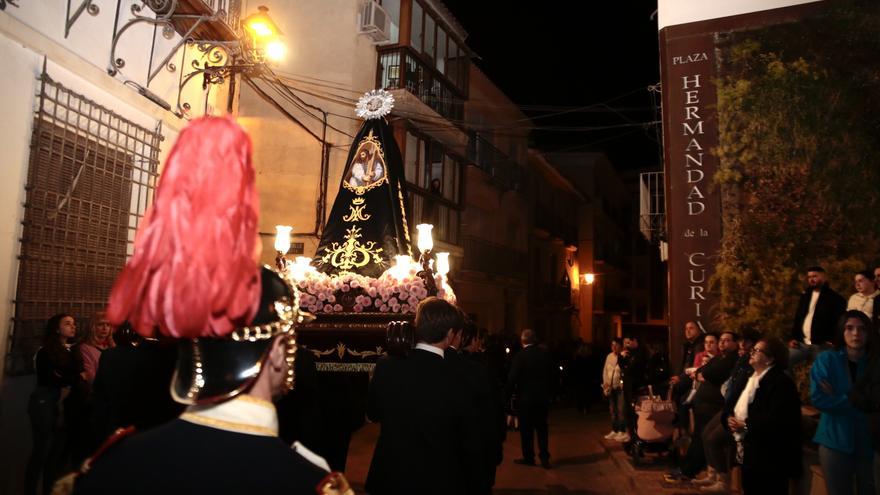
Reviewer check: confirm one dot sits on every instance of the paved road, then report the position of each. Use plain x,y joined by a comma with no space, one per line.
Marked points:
583,462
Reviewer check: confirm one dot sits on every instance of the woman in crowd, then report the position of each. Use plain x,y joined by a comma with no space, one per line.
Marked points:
766,422
56,373
844,443
865,299
81,432
865,395
99,339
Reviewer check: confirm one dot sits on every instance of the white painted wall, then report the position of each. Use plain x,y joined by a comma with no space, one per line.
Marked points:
325,54
672,12
29,34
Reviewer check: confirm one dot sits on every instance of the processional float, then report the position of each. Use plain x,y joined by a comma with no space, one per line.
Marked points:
363,285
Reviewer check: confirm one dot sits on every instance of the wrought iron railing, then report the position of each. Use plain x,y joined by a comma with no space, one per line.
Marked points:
401,67
503,169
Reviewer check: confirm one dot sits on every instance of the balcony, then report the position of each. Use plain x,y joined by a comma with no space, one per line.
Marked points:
503,170
494,259
201,20
401,67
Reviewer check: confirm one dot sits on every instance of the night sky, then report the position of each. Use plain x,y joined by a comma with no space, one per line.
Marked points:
549,60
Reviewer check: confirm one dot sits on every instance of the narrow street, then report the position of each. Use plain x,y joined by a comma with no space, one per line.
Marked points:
582,462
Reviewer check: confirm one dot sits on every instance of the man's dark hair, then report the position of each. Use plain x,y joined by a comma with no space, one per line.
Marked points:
868,274
816,268
775,349
468,331
711,334
434,318
618,340
839,341
733,335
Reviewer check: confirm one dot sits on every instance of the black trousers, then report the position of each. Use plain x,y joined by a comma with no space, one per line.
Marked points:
718,444
695,459
533,419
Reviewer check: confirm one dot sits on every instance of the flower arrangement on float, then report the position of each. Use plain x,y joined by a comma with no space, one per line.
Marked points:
398,290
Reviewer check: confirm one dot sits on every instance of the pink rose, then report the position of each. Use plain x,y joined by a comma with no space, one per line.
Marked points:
366,301
393,302
383,308
328,308
358,308
355,284
337,307
404,308
313,308
331,298
413,301
404,295
345,288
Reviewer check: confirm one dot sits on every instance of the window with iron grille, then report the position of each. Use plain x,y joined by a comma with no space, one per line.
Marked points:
90,177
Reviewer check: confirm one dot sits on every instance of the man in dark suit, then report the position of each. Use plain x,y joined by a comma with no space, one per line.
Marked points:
485,399
531,379
816,317
429,440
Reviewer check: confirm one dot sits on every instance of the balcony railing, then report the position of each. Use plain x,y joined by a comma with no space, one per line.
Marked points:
201,20
505,171
401,67
493,259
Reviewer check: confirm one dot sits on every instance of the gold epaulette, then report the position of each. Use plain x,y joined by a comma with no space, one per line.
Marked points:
66,484
334,484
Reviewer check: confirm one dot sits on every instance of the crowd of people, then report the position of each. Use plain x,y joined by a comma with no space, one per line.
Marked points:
180,374
737,403
219,329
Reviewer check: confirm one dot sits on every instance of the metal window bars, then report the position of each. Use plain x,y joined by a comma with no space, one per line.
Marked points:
91,175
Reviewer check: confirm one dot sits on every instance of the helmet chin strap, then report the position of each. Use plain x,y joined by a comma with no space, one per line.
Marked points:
290,348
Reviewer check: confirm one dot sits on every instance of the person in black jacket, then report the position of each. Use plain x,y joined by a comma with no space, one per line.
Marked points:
766,422
708,400
816,316
56,374
496,431
482,397
633,361
717,440
429,440
531,378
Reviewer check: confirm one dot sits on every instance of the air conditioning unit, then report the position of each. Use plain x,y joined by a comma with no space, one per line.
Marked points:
375,22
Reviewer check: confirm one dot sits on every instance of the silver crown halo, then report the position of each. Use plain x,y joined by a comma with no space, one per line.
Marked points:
374,104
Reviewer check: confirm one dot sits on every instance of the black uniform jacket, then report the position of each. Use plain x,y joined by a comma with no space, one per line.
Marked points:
184,458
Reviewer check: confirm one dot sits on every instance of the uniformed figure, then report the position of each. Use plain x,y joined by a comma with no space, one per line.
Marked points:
194,276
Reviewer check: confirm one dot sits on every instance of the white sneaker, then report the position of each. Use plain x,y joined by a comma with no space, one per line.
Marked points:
611,435
622,437
718,487
709,479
